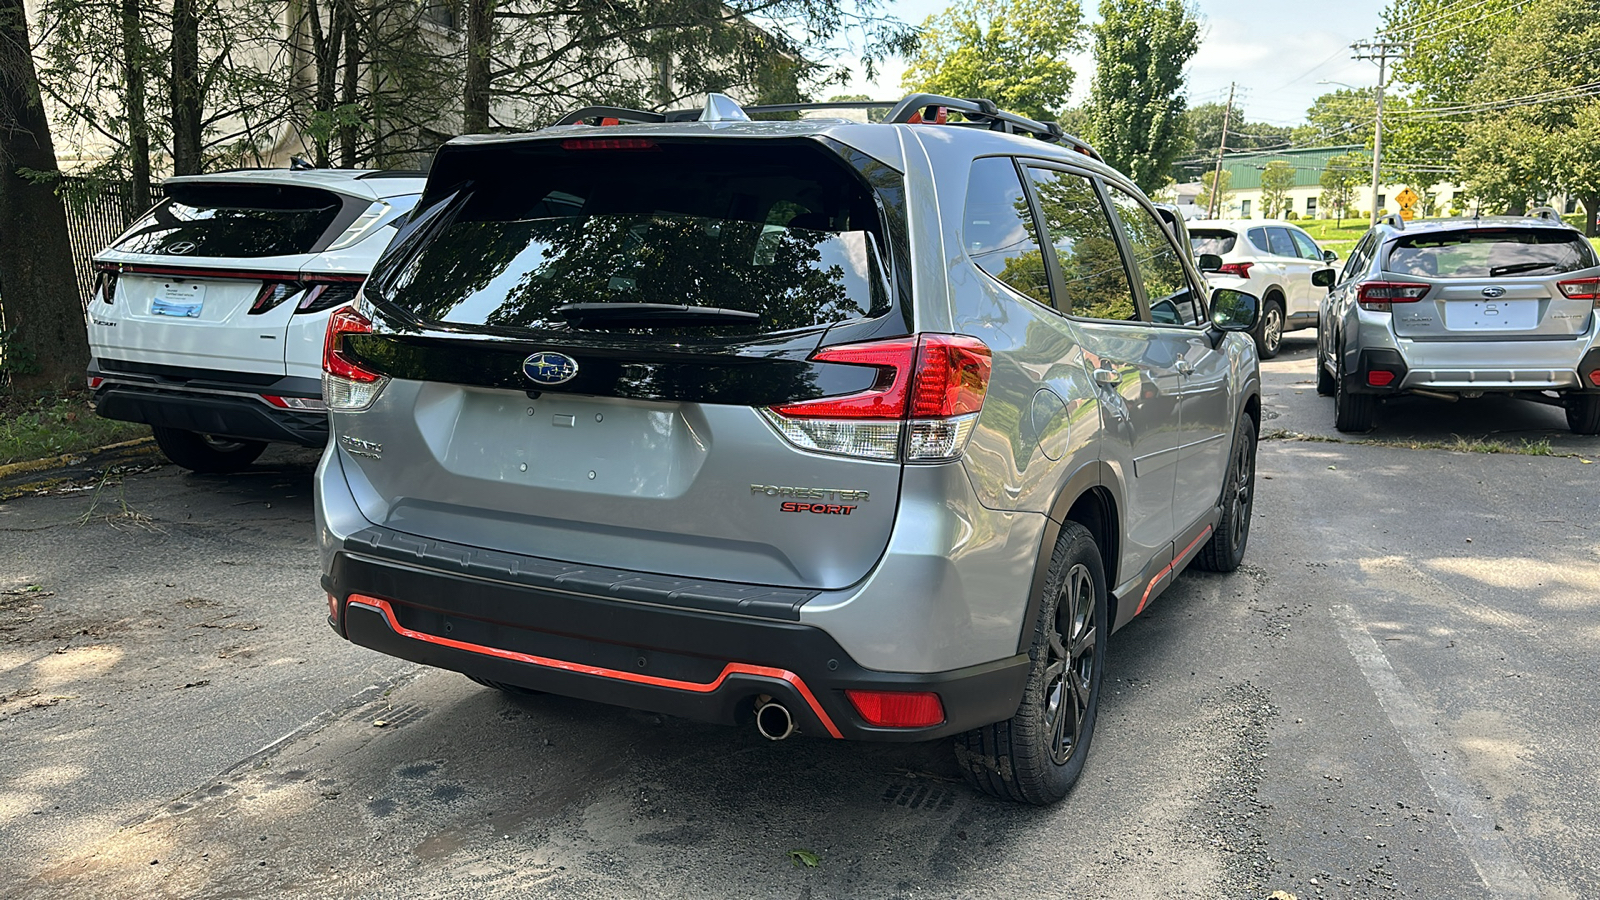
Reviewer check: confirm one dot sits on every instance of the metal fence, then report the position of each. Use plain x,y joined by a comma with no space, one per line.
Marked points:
97,212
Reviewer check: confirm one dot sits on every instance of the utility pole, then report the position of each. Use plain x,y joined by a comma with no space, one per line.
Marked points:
1380,51
1213,206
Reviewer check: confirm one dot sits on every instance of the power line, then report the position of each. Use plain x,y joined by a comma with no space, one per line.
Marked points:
1448,12
1491,15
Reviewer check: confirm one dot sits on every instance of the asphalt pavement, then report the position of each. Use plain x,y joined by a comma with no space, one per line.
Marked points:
1395,697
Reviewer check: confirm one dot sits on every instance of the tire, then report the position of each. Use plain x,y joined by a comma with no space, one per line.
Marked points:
1352,412
512,689
1225,551
1583,413
204,453
1269,331
1037,755
1326,384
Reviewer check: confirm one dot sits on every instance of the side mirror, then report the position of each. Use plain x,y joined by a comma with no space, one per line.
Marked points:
1233,310
1328,256
1209,262
1322,278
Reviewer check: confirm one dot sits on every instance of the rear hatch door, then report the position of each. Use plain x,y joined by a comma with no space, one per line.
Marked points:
211,277
1495,284
583,347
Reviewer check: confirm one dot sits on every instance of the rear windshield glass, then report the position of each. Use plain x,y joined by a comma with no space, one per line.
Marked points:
784,231
1206,241
1490,253
237,220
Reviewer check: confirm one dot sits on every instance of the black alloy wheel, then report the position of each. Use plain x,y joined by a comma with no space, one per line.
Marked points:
1225,551
206,453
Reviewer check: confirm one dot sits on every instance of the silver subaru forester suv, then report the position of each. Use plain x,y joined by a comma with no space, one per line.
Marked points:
866,431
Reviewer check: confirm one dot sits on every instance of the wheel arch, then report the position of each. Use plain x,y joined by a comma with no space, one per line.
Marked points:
1091,498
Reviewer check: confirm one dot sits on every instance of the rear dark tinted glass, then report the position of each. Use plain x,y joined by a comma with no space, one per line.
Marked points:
1490,253
784,230
1204,240
235,220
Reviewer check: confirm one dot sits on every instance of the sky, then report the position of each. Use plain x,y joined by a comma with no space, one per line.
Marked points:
1276,50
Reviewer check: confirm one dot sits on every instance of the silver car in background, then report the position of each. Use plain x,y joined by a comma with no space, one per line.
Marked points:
869,431
1457,308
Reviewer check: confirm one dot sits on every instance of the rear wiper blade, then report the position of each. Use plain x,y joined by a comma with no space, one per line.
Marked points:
1518,268
645,315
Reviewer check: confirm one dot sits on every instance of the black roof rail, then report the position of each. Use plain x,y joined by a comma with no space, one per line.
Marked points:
392,173
807,107
980,110
620,113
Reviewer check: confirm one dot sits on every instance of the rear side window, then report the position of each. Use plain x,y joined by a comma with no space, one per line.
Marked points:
1490,253
1094,279
544,237
1280,242
1258,239
237,220
1207,241
998,231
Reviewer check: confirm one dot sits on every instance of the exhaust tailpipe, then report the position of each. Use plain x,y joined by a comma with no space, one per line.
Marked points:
1437,395
773,719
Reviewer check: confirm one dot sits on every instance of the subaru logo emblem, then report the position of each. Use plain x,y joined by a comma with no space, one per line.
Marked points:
1493,292
550,368
181,247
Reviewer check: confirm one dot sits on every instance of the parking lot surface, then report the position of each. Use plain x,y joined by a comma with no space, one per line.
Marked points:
1394,697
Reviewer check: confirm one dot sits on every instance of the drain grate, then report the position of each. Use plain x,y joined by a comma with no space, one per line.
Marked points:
920,796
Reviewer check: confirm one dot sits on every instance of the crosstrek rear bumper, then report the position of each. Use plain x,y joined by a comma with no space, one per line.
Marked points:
687,662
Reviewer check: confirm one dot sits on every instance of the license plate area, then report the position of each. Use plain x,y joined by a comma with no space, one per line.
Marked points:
1491,315
179,300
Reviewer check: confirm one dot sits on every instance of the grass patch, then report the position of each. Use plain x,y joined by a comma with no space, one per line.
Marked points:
1456,444
35,426
1331,235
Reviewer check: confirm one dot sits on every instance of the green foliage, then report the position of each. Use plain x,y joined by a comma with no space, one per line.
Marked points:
1013,52
36,426
1342,117
1340,179
1276,180
1203,199
807,858
1136,108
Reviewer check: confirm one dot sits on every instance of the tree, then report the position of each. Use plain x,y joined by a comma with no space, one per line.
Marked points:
1136,107
44,341
1276,180
1203,199
1342,117
1013,52
1341,176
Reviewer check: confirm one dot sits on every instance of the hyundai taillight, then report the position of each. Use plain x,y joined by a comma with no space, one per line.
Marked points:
897,709
1581,289
105,285
321,295
1237,269
1377,295
272,294
346,386
921,407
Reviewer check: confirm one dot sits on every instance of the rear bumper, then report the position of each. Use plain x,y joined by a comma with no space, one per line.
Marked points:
686,662
211,405
1471,366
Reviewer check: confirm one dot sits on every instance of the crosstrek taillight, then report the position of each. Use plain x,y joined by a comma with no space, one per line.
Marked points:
921,408
346,386
1377,295
1581,289
1236,269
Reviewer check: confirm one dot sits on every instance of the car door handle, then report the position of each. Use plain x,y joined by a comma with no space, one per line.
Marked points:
1107,376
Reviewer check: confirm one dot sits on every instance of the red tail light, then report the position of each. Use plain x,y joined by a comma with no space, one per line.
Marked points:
1236,269
932,384
1581,289
609,144
898,709
334,361
1377,295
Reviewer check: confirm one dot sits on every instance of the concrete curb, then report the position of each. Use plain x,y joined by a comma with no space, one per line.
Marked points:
29,476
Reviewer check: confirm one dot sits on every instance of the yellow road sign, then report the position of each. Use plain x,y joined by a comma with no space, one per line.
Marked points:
1407,199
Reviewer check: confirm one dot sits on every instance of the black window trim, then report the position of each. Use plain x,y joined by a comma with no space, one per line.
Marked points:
1052,265
1019,169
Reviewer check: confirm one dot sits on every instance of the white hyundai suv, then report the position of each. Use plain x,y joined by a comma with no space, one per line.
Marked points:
1272,260
208,314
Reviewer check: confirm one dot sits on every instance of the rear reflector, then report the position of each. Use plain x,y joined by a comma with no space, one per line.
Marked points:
898,709
95,381
1236,269
1377,295
609,144
308,404
921,407
1594,378
1380,378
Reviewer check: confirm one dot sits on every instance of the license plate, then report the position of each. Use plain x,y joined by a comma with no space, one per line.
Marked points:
1491,315
182,301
